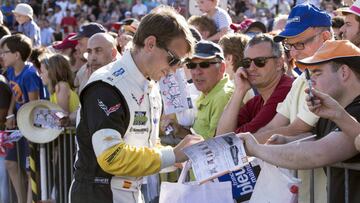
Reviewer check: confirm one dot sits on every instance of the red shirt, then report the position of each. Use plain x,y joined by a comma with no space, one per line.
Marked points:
68,21
255,114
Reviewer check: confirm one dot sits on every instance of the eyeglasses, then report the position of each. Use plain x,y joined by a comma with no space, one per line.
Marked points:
299,45
172,59
191,65
258,61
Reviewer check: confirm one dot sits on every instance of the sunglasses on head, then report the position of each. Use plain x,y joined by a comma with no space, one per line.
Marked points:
206,64
258,61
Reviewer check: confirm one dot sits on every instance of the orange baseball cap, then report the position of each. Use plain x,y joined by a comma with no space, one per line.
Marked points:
331,50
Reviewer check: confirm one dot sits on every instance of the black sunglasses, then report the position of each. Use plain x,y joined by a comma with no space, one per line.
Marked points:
191,65
258,61
172,59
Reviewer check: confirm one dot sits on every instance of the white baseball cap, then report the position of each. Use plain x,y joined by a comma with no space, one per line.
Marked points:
24,9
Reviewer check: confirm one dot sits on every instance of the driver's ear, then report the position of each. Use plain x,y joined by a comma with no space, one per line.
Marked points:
150,43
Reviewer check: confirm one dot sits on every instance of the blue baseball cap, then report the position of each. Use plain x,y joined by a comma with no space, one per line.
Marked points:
302,17
207,50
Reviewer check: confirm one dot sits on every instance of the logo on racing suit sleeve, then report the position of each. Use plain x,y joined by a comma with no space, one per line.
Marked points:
107,110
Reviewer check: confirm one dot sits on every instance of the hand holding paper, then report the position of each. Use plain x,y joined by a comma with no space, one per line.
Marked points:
215,157
250,142
187,141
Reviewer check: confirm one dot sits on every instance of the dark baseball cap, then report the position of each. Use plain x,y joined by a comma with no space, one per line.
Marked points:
88,30
302,17
207,50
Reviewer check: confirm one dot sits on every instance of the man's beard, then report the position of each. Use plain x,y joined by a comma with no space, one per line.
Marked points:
356,41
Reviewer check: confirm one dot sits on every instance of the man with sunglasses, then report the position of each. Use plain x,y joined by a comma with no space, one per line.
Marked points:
120,111
207,68
263,68
306,30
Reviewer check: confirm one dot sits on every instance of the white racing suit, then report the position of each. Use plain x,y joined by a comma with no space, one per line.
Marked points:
118,123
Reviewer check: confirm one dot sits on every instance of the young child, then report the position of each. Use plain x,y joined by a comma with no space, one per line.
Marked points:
204,25
24,16
57,75
221,18
26,86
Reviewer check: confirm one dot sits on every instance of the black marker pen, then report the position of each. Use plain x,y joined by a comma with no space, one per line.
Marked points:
308,79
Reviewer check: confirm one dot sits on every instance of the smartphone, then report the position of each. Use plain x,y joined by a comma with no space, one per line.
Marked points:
308,79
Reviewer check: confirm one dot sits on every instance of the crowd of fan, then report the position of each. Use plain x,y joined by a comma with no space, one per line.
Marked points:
54,47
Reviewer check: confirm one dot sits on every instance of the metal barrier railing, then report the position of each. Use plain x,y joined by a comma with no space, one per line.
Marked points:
54,164
59,156
347,167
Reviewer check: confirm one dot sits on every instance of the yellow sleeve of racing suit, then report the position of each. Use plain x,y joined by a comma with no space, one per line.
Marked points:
120,159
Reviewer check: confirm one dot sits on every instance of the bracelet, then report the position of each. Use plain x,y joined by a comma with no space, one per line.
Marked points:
10,116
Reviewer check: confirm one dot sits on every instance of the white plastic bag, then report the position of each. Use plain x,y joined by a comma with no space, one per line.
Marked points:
275,185
191,192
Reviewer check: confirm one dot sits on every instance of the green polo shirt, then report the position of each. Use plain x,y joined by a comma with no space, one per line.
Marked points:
211,106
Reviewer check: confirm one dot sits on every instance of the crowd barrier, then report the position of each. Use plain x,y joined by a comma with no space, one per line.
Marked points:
54,169
55,175
346,167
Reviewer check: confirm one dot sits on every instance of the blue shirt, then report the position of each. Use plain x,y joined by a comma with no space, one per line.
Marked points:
46,36
31,30
8,15
26,82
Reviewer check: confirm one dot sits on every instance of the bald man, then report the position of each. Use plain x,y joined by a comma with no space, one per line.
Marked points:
101,50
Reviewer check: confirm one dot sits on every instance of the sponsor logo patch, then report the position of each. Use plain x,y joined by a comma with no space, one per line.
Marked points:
295,19
119,72
127,184
107,110
108,139
139,130
140,118
113,155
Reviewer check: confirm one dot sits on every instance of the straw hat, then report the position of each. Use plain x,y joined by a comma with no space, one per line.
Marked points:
25,122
